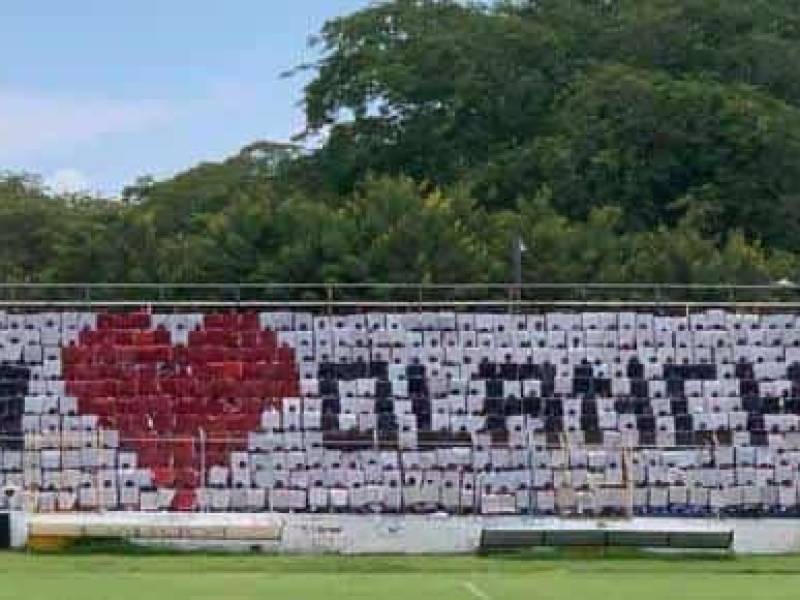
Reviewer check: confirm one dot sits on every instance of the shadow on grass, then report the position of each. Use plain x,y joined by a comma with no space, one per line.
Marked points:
124,556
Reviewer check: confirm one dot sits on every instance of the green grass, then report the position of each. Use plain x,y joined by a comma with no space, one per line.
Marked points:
205,577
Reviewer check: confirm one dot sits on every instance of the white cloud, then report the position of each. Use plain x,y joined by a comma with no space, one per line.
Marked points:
67,181
32,121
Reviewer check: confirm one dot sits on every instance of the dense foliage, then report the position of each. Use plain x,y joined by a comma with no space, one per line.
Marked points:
623,140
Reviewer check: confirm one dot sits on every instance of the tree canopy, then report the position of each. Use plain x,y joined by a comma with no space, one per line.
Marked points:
623,140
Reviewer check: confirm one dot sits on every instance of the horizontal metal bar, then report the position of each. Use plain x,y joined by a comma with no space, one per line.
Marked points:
405,286
395,295
32,438
121,304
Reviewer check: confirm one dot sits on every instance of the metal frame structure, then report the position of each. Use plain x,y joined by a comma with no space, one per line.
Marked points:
398,295
404,296
200,442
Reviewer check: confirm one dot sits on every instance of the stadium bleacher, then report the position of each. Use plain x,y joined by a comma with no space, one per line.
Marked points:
569,413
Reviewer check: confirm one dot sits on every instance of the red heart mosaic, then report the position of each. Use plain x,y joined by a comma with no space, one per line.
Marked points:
160,395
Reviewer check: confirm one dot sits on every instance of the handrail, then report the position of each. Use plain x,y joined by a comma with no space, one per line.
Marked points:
409,285
397,294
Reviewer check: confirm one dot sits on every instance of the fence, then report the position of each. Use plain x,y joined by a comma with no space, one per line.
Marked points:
101,471
397,295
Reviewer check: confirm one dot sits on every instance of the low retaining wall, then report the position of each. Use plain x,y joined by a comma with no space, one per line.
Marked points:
18,529
373,534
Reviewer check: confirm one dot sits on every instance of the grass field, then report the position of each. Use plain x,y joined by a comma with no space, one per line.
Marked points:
170,577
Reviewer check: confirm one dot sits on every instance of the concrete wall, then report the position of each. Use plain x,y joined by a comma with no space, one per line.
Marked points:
19,529
403,534
438,534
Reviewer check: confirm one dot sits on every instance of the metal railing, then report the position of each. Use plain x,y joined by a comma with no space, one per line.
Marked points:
31,477
397,295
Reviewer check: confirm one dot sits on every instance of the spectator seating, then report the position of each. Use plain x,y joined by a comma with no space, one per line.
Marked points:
548,413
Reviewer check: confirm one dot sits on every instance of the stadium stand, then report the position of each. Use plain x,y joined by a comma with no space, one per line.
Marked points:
569,413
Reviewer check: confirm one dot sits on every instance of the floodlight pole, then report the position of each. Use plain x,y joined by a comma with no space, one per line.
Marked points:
518,247
518,260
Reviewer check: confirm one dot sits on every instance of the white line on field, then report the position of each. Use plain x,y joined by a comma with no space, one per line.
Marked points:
476,591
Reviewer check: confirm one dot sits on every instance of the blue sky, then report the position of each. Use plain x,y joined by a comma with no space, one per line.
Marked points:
94,93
